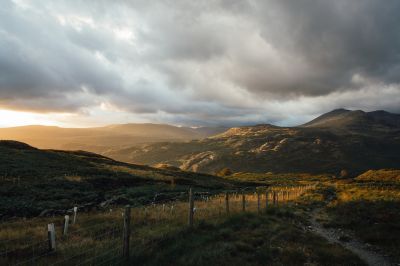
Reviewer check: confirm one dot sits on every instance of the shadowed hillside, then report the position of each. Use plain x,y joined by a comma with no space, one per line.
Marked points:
34,180
359,122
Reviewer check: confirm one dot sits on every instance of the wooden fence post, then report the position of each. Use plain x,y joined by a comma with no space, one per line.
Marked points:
127,232
227,202
266,200
51,233
191,206
258,202
66,223
243,202
75,211
274,198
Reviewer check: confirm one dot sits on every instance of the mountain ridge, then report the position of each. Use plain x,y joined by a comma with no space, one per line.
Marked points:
357,119
337,140
354,141
100,139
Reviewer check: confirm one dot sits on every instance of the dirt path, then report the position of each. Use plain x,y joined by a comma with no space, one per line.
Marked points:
337,236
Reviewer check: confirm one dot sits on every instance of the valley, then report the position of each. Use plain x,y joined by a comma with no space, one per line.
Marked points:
338,142
323,193
103,139
200,133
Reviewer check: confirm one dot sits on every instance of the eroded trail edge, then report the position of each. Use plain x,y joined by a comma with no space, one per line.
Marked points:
369,256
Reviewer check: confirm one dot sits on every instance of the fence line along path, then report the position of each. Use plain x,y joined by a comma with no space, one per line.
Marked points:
104,238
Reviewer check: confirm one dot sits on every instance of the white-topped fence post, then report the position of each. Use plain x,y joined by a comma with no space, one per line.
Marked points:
51,233
66,223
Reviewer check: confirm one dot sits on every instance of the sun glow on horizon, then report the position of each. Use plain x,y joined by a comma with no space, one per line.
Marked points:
91,118
17,118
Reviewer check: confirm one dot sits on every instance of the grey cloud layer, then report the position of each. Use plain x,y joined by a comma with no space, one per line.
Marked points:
201,61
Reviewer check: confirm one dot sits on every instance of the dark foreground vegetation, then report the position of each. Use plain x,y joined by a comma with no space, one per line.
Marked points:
277,237
369,206
47,182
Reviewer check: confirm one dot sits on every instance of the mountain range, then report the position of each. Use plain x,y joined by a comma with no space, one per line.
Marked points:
340,142
102,139
353,141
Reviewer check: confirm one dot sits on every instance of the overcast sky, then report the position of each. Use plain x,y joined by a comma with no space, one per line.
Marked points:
231,62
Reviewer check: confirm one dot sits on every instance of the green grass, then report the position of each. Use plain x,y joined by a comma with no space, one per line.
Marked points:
278,178
161,237
33,180
372,213
275,238
368,206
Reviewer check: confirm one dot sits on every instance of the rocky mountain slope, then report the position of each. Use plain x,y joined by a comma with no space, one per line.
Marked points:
354,141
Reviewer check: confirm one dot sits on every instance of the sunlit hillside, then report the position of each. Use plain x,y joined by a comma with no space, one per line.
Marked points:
102,139
200,133
340,143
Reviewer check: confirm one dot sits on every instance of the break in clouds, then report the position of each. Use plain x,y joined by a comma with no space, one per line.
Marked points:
200,62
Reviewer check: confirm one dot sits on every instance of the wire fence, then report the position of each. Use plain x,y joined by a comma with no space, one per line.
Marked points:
102,238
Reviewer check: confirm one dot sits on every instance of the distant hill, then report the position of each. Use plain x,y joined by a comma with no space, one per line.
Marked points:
342,120
354,141
33,181
101,139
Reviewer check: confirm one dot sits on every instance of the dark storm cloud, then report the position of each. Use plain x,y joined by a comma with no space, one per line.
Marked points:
336,39
38,61
216,61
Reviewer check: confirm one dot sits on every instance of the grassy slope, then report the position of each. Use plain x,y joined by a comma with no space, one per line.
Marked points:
33,180
56,179
367,206
278,179
370,206
275,238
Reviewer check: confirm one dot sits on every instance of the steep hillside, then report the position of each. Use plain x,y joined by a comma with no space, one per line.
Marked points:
354,141
346,121
101,139
34,180
381,175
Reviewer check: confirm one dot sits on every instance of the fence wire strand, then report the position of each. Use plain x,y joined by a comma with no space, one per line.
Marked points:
106,237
